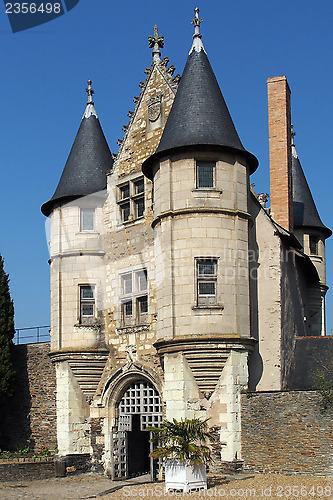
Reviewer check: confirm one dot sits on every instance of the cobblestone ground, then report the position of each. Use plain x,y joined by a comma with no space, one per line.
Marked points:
89,486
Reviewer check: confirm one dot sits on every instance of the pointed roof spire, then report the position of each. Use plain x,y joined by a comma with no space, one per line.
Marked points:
304,207
156,42
197,43
90,110
88,162
90,92
199,117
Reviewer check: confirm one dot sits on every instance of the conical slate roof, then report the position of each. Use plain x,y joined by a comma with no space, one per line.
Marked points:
199,115
305,210
87,164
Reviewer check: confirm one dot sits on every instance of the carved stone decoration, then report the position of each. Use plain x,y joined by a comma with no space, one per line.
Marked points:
131,353
263,198
154,108
132,361
132,329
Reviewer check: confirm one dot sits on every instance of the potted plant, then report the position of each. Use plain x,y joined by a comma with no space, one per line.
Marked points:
184,447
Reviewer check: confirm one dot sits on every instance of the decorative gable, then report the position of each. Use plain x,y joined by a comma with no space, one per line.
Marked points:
144,130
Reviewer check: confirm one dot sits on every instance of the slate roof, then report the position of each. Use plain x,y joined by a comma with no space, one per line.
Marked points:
199,115
305,210
87,164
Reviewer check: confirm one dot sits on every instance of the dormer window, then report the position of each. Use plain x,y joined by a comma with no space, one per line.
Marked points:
205,174
314,244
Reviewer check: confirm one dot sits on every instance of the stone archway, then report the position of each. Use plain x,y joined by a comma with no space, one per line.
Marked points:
137,405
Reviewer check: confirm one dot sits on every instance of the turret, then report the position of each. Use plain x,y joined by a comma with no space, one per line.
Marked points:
200,173
76,243
311,233
77,280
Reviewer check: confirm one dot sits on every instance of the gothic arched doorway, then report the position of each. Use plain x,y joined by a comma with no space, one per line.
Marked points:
139,407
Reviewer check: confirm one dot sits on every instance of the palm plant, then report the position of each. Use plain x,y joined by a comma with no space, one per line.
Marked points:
185,440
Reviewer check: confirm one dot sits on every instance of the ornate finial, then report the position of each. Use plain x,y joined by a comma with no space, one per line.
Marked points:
90,93
90,110
156,42
197,21
292,135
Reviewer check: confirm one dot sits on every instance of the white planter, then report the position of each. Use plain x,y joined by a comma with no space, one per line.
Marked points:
182,476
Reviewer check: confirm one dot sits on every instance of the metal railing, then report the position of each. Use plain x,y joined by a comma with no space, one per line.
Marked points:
38,334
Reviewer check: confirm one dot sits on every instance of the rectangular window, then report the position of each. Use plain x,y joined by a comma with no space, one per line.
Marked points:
142,280
131,199
87,216
139,186
314,244
126,283
205,175
125,191
206,281
127,311
87,304
139,207
134,299
126,212
142,309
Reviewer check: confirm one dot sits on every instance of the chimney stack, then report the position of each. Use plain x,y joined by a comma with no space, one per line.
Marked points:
279,128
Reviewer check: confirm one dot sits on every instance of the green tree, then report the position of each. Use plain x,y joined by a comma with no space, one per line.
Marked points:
7,331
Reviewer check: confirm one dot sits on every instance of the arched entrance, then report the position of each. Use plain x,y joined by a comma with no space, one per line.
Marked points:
139,407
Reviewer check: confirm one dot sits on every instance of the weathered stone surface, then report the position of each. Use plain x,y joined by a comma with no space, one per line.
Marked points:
31,417
286,432
14,472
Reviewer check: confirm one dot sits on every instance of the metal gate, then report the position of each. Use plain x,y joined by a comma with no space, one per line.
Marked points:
142,399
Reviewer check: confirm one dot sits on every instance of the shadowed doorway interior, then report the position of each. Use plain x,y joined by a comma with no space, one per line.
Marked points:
138,448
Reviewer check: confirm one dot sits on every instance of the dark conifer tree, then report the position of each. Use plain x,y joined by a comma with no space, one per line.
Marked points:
7,331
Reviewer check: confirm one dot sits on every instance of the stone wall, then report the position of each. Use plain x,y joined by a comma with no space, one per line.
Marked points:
15,471
31,414
286,432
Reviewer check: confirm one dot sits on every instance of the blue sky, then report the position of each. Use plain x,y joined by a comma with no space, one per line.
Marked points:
44,74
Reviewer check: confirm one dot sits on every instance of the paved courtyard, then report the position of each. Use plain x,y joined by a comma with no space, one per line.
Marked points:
89,486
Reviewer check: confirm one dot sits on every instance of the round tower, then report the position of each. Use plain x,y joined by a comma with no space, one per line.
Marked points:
77,280
200,172
311,233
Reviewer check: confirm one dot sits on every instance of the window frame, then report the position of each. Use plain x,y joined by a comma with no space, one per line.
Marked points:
136,296
206,300
86,319
91,211
129,205
202,163
314,241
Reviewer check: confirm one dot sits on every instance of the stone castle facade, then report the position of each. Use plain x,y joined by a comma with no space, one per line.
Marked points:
173,288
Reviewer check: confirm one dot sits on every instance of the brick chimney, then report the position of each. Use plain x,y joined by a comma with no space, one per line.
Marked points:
279,128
